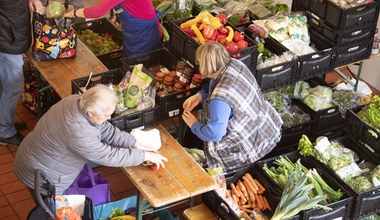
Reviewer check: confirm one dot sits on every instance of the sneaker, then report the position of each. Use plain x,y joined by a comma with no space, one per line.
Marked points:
14,141
20,125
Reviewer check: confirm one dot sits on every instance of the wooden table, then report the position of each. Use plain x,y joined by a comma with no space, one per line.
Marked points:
199,212
59,73
182,178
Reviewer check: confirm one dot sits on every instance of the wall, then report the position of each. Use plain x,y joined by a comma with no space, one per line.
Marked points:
371,69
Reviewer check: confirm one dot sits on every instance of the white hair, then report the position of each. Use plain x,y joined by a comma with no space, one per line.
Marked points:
98,100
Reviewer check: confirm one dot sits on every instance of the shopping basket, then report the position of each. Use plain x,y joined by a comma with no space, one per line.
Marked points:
46,199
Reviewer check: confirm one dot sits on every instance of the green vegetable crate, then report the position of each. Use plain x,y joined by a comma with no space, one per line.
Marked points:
329,119
103,39
366,202
340,209
146,117
184,46
170,104
224,211
363,131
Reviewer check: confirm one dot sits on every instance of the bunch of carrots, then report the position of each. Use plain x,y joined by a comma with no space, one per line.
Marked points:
248,194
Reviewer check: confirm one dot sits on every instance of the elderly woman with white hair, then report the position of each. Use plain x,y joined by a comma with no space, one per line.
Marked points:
73,132
241,126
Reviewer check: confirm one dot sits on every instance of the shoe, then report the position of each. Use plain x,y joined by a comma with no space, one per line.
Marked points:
14,141
20,125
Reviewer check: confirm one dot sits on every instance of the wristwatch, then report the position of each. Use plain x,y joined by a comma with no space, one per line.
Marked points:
75,13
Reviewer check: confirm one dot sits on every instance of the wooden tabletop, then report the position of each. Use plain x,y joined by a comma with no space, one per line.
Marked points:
59,73
181,178
199,212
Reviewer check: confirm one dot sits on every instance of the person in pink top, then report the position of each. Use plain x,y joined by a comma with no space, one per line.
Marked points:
141,28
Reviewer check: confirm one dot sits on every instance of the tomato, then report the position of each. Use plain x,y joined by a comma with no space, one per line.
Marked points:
242,44
222,18
238,36
208,31
154,167
221,38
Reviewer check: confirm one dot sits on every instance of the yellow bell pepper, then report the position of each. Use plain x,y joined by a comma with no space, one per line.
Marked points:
215,23
230,34
202,16
198,33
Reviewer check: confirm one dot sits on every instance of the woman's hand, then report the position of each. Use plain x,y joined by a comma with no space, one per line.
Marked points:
36,5
192,102
155,158
189,118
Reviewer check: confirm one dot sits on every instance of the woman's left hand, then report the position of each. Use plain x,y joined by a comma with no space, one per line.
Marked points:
189,118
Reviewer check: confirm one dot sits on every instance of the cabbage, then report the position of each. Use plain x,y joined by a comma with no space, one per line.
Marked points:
54,10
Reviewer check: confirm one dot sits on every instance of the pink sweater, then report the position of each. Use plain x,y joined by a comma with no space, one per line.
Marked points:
142,9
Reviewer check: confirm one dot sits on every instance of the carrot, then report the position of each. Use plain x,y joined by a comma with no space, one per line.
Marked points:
245,209
243,200
249,190
261,187
234,191
262,202
242,188
266,203
249,177
254,204
235,198
250,187
259,204
247,206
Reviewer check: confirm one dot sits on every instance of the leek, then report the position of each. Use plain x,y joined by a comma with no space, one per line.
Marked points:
295,197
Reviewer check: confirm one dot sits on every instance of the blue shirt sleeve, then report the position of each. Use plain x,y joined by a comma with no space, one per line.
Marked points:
220,113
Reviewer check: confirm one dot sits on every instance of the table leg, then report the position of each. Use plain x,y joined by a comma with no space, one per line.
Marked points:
192,201
140,206
358,75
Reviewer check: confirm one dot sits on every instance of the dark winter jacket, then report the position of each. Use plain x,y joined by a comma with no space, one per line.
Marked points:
15,26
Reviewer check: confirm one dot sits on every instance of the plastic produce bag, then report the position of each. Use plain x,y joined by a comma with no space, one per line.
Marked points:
54,10
376,176
138,82
320,98
105,210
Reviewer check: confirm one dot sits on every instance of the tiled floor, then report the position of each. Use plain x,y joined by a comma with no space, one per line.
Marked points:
15,200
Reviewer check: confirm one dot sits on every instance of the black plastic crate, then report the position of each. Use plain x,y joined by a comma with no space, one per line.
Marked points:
126,122
365,203
344,54
340,209
291,136
316,64
338,18
104,26
170,104
326,119
351,18
184,46
363,131
347,38
223,211
279,75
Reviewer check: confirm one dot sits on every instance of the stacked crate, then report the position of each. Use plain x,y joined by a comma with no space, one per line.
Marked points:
349,29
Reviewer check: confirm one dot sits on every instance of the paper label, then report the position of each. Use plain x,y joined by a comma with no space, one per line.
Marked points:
350,170
165,70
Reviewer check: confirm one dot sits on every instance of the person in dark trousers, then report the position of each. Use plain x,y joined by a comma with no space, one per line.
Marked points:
240,126
141,28
15,39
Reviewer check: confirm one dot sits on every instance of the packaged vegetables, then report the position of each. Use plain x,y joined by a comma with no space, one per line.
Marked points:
343,161
371,114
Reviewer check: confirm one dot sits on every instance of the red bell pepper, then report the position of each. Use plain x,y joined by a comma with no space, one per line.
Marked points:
238,36
242,44
208,31
213,36
221,38
222,18
188,31
231,46
223,30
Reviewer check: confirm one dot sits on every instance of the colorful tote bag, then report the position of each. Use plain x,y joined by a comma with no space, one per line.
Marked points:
53,38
